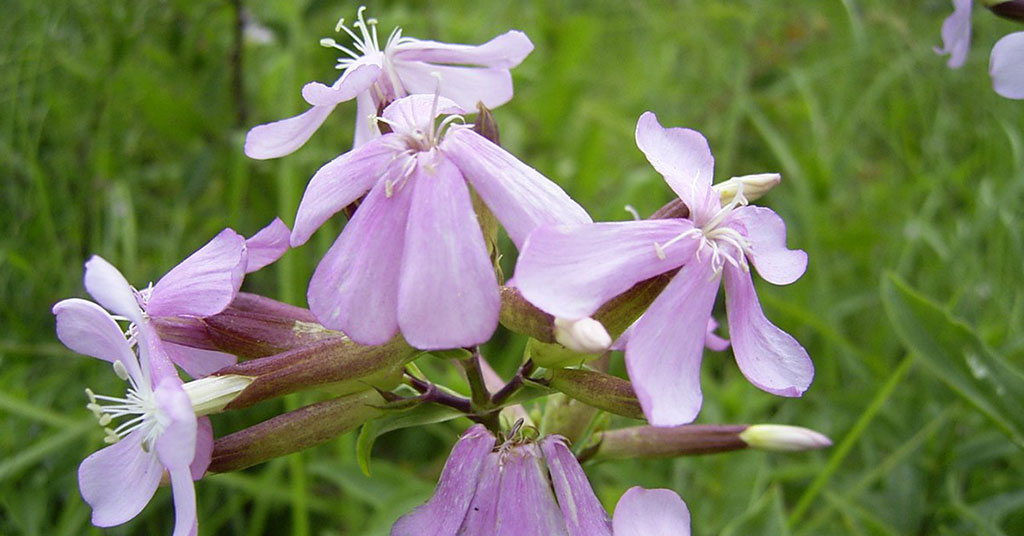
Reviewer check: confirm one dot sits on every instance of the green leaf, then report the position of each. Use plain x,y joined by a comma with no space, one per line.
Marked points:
951,350
419,415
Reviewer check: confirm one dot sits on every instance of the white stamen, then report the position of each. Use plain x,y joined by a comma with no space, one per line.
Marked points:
631,210
120,370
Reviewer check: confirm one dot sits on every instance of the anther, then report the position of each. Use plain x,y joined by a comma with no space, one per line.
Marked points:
120,370
659,251
91,395
327,42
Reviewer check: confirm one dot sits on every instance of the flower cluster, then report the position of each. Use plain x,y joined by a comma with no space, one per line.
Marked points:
415,270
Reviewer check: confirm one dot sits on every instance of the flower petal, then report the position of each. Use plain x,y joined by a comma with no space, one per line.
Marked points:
204,448
766,232
466,86
365,129
956,34
355,287
482,514
443,514
352,82
118,481
448,293
665,347
186,523
418,111
769,357
504,51
583,513
711,340
176,444
106,284
684,158
273,140
1006,65
526,504
338,183
196,362
651,512
86,328
204,283
266,246
520,197
571,270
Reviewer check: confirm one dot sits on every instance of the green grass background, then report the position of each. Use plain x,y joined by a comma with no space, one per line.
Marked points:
121,135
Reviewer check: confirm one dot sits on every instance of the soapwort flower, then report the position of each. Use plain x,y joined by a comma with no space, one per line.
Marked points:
570,271
523,486
413,257
375,76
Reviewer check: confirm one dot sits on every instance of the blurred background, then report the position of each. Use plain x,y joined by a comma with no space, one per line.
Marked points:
121,128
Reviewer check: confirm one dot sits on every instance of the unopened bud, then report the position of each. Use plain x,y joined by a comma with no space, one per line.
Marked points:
585,335
337,364
1008,9
665,442
783,438
210,394
485,125
603,391
294,431
751,186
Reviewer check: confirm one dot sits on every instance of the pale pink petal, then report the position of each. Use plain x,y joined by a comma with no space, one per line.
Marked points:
520,197
365,129
448,292
417,112
684,158
186,523
279,138
106,284
204,448
572,270
527,504
956,34
482,514
355,287
338,183
152,355
119,480
204,283
266,246
651,512
711,340
465,85
443,514
769,357
354,82
665,347
86,328
504,51
766,233
1006,65
583,513
176,444
196,362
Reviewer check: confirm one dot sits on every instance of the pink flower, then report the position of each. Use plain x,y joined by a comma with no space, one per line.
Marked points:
524,487
161,432
413,258
570,271
374,77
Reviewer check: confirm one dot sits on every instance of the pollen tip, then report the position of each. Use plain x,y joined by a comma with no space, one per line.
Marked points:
120,370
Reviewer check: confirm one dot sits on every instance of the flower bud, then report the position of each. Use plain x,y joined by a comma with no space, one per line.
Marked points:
1008,9
294,431
603,391
337,363
783,438
665,442
586,335
751,186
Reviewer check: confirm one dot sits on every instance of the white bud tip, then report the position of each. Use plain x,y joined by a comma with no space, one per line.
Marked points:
783,438
585,335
